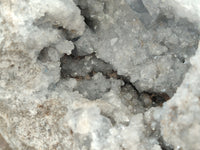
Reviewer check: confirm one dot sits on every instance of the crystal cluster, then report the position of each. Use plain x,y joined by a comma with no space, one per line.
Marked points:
99,75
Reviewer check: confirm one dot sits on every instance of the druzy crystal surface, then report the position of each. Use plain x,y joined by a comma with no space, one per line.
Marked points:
99,75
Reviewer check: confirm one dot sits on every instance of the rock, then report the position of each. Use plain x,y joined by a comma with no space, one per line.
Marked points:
97,75
180,119
149,56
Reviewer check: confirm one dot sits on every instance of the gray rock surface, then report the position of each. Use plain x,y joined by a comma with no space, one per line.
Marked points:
154,57
99,75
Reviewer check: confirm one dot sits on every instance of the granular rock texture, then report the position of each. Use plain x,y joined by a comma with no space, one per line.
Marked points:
99,75
180,124
153,54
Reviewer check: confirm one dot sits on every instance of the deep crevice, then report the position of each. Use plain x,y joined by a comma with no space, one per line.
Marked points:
163,145
157,98
90,22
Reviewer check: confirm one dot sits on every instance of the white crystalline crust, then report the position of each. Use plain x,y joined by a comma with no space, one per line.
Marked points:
180,123
39,110
187,8
27,27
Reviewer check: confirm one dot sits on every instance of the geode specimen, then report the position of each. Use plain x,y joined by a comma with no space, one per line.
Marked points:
99,75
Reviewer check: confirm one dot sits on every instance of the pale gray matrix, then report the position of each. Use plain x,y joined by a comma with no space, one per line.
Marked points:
99,75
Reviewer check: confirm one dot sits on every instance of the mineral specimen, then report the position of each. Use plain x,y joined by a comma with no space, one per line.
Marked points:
99,75
154,57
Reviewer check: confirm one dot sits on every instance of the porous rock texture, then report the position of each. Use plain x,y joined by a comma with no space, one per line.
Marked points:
99,75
